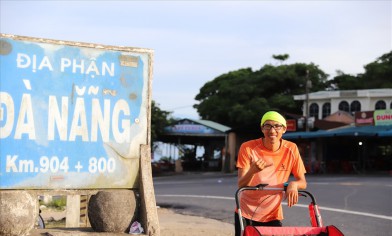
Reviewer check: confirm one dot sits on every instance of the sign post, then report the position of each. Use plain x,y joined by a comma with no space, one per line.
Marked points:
73,116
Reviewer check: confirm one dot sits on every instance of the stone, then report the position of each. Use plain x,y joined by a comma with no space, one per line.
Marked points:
18,212
113,210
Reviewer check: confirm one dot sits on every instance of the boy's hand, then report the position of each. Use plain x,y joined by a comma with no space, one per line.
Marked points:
260,165
292,194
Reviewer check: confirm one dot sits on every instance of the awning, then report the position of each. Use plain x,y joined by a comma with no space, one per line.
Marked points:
385,133
305,135
360,131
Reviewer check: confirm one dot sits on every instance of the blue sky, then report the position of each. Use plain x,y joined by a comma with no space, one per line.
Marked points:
196,41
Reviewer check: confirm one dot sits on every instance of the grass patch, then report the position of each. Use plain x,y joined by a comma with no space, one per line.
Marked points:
55,224
58,203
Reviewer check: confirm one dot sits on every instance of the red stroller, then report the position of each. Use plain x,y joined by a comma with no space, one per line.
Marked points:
316,227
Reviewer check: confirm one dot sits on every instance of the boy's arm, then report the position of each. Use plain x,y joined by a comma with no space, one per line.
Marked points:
293,187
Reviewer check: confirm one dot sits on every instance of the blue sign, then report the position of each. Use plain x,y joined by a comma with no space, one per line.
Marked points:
72,115
190,127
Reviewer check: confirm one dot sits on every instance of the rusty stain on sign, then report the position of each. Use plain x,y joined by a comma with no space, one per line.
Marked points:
5,47
129,61
133,96
56,177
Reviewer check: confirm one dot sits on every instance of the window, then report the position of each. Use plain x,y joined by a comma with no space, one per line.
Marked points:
343,106
355,106
326,109
313,110
380,105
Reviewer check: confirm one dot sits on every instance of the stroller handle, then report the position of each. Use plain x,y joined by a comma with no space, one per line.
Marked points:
264,187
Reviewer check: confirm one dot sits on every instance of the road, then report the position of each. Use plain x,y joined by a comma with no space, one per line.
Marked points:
357,205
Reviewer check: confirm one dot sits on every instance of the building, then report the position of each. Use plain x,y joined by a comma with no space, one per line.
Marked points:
188,135
354,131
350,132
324,103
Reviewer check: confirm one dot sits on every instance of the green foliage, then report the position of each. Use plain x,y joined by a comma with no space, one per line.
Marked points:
217,94
166,159
57,203
281,57
159,120
188,154
378,74
241,97
345,82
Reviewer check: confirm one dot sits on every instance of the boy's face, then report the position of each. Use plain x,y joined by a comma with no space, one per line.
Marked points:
273,130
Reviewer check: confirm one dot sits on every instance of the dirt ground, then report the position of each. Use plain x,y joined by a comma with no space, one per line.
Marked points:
171,224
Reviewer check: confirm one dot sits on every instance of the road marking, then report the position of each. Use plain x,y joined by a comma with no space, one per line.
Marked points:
347,212
196,196
284,203
349,184
177,182
356,213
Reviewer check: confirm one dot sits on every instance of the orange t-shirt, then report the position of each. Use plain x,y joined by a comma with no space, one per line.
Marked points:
264,206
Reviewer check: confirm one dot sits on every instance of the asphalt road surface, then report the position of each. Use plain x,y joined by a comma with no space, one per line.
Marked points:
357,205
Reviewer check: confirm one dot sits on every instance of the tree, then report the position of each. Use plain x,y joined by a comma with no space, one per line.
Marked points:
159,120
344,82
241,97
216,96
378,74
281,58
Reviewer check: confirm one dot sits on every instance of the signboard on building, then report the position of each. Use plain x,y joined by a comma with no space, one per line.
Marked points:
72,115
383,117
291,125
189,127
364,118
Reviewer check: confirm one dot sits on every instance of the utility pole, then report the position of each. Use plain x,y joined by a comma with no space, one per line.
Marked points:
308,85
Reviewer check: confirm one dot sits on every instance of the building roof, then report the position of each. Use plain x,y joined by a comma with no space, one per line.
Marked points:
212,124
190,131
191,127
384,92
351,131
341,116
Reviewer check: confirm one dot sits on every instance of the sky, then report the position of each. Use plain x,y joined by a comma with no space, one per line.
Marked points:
197,41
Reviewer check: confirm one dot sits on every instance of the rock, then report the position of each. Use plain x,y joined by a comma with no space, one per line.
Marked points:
18,213
112,210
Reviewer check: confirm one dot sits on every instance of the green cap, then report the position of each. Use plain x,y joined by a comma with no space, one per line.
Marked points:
275,116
